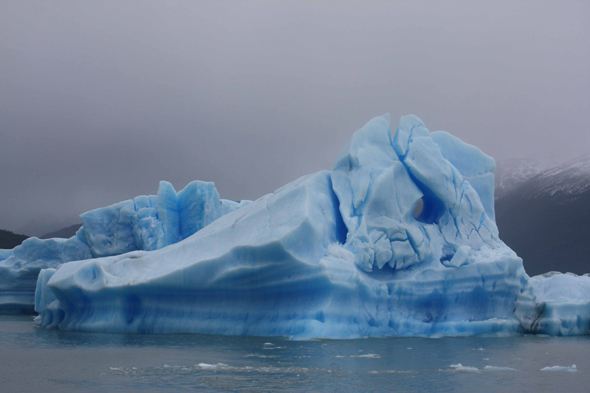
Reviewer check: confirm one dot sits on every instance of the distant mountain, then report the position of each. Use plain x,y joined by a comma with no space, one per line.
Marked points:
10,240
46,223
544,215
512,173
66,232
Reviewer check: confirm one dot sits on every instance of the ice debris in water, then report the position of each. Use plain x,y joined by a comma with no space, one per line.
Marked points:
398,239
495,368
155,372
570,369
459,368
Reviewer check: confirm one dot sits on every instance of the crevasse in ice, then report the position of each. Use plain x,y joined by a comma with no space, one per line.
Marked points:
399,239
142,223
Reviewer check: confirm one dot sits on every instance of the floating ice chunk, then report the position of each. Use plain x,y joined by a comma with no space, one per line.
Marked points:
562,304
570,369
206,366
494,368
459,368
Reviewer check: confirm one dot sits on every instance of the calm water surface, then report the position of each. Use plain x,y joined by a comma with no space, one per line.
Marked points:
32,359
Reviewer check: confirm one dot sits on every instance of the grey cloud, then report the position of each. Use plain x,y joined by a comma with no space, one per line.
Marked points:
99,101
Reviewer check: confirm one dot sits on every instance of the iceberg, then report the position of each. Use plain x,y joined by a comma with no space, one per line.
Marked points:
20,269
142,223
562,303
398,239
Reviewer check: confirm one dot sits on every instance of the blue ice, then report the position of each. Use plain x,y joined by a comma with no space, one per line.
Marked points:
142,223
398,239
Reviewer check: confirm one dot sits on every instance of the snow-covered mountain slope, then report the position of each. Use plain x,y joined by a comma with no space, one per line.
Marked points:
544,215
512,173
569,178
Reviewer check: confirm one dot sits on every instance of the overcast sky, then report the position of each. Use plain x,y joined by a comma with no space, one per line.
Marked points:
100,100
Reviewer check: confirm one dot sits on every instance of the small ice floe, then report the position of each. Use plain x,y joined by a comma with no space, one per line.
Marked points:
340,356
570,369
250,369
367,355
480,349
271,346
116,368
495,368
206,366
459,368
409,347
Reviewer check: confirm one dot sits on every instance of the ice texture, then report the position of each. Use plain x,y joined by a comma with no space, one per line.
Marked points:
398,239
18,272
475,167
142,223
563,304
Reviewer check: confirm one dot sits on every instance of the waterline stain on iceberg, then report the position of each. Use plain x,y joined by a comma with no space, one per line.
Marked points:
338,254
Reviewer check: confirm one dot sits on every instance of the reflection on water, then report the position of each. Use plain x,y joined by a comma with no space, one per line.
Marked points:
35,359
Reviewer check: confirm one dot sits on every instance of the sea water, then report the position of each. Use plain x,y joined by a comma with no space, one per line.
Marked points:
35,359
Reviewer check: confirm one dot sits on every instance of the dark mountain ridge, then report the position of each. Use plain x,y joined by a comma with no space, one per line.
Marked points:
10,240
65,233
546,218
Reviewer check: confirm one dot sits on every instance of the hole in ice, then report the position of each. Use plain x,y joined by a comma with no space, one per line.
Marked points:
418,209
429,209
